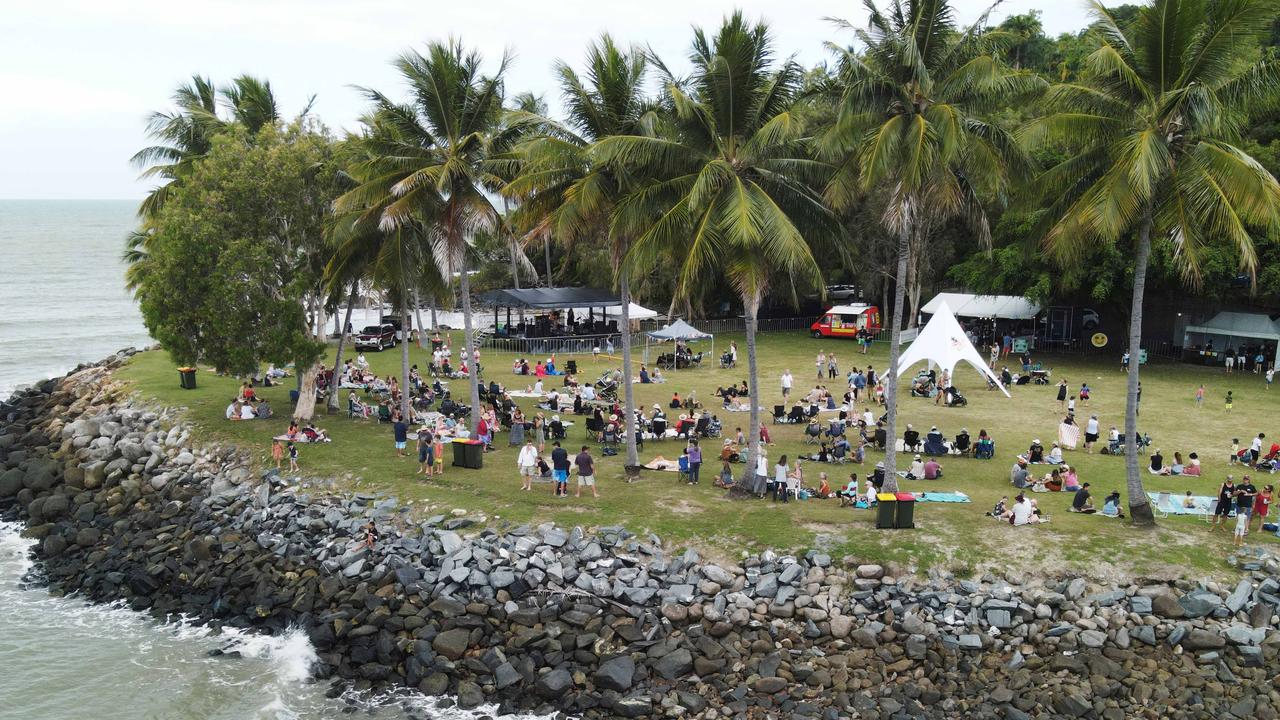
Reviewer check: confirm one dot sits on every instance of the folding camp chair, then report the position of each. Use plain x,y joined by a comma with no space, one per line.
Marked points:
1164,504
813,434
1213,510
779,414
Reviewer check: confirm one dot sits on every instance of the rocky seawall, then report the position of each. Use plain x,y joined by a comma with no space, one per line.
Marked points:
127,505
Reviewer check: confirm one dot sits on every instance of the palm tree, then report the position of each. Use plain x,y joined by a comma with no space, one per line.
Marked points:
565,195
431,166
908,124
1149,134
729,182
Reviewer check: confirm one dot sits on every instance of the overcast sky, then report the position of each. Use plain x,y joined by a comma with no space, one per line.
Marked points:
79,77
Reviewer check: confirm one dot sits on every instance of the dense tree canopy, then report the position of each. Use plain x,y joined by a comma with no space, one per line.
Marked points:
231,258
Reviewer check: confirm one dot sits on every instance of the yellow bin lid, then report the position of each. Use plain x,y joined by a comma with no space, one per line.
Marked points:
886,497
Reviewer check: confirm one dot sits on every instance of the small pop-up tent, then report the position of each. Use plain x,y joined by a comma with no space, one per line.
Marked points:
942,342
678,330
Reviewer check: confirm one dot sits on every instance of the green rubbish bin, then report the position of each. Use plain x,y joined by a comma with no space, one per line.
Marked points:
468,454
903,518
886,506
187,378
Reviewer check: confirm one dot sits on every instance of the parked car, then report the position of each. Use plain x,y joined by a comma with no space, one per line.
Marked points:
841,293
377,337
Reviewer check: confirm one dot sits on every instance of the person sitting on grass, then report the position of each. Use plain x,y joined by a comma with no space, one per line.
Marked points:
932,470
1082,502
725,479
1055,455
1023,512
1018,476
233,409
1157,466
1035,453
824,489
1111,506
1189,501
1001,509
916,472
1070,480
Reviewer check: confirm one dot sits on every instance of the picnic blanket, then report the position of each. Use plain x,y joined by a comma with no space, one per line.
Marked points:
734,407
526,394
1174,505
663,465
942,497
300,439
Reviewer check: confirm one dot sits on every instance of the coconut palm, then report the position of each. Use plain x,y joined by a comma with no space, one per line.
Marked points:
729,181
429,169
565,195
1148,133
909,124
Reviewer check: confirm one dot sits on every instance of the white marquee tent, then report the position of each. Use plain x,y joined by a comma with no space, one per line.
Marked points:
636,312
1002,307
943,343
1231,329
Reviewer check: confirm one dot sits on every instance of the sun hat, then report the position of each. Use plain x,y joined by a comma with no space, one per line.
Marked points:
683,416
555,417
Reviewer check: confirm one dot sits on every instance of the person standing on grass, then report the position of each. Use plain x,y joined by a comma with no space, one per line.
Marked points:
1084,394
1255,452
586,472
833,368
1091,433
293,457
1262,506
425,458
787,382
1200,397
560,470
1269,375
1246,494
1229,401
1062,393
1226,502
1006,346
995,355
821,364
528,464
277,453
437,451
695,461
400,430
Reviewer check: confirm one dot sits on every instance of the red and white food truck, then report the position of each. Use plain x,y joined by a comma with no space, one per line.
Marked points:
847,321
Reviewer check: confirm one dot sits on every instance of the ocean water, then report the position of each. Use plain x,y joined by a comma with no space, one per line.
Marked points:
62,286
62,289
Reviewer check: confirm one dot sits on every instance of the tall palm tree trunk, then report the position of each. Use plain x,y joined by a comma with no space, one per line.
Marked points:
751,304
1139,505
629,398
891,373
468,335
417,318
332,401
404,358
546,251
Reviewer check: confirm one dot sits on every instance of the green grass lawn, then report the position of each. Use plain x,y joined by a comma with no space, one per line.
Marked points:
956,537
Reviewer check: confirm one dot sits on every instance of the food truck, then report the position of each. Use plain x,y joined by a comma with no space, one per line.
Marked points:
847,321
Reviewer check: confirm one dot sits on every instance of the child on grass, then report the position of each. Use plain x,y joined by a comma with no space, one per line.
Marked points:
277,453
1242,527
293,457
438,450
1235,451
1229,401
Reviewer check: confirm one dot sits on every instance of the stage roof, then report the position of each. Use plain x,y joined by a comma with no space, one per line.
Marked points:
551,298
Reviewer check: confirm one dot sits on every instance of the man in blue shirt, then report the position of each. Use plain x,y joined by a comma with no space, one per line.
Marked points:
401,431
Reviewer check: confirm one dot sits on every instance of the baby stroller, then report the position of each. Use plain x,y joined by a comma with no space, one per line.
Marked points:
923,385
607,388
726,360
955,399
